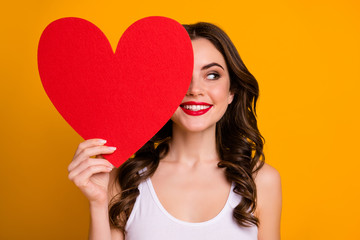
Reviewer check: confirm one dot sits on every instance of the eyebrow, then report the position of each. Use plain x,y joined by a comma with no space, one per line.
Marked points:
211,65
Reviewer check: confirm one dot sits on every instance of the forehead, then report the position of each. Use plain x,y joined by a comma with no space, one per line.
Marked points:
205,52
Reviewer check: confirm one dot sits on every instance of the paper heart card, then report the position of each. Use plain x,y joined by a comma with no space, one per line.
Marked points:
124,97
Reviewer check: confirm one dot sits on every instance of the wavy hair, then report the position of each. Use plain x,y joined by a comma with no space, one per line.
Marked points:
238,140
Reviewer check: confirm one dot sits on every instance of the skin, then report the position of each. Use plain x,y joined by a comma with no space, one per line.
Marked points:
188,182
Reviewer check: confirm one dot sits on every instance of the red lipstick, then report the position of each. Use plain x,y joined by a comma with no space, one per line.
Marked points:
195,108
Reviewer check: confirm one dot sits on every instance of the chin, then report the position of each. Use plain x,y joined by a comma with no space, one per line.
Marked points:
193,128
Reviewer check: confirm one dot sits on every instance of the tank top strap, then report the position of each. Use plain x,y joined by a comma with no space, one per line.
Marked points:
235,198
138,200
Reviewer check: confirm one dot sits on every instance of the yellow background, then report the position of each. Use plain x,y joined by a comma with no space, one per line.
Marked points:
305,55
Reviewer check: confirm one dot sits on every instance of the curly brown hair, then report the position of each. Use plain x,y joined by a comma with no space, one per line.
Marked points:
238,140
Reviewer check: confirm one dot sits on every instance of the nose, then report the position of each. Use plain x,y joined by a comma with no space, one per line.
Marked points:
195,88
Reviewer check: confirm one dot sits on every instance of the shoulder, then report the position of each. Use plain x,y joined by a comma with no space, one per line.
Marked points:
269,202
268,187
267,177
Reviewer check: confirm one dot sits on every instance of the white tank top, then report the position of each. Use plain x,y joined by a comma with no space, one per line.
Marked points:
149,220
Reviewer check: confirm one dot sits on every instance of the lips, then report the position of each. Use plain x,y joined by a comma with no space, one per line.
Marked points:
195,108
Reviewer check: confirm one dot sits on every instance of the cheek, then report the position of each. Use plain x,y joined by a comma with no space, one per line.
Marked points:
221,94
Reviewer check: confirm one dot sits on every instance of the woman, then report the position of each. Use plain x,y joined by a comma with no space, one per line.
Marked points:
202,176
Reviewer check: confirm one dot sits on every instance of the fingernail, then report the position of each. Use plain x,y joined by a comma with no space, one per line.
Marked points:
102,141
112,148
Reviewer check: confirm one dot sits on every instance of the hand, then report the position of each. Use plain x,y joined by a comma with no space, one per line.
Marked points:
91,175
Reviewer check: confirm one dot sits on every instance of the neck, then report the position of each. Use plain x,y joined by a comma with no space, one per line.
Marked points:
192,148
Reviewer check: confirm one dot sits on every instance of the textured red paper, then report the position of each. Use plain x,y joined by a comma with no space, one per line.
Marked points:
124,97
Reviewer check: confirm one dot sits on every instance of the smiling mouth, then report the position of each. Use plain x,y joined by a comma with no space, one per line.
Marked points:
195,108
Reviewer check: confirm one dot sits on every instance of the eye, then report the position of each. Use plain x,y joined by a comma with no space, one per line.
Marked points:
213,76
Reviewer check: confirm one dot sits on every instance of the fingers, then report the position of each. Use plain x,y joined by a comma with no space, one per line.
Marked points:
90,162
93,182
87,149
91,175
82,179
89,143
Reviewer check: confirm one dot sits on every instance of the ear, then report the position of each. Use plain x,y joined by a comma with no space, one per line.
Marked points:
231,97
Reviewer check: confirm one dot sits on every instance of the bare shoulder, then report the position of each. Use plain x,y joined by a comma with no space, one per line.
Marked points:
267,176
268,186
269,202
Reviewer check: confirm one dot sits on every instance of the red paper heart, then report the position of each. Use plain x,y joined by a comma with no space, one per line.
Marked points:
124,97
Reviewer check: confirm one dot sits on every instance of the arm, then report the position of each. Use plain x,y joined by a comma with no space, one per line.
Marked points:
269,202
91,176
99,215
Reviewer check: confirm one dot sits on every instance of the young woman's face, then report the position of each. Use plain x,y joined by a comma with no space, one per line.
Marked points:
208,95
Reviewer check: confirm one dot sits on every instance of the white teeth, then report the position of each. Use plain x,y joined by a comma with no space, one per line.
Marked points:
196,107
